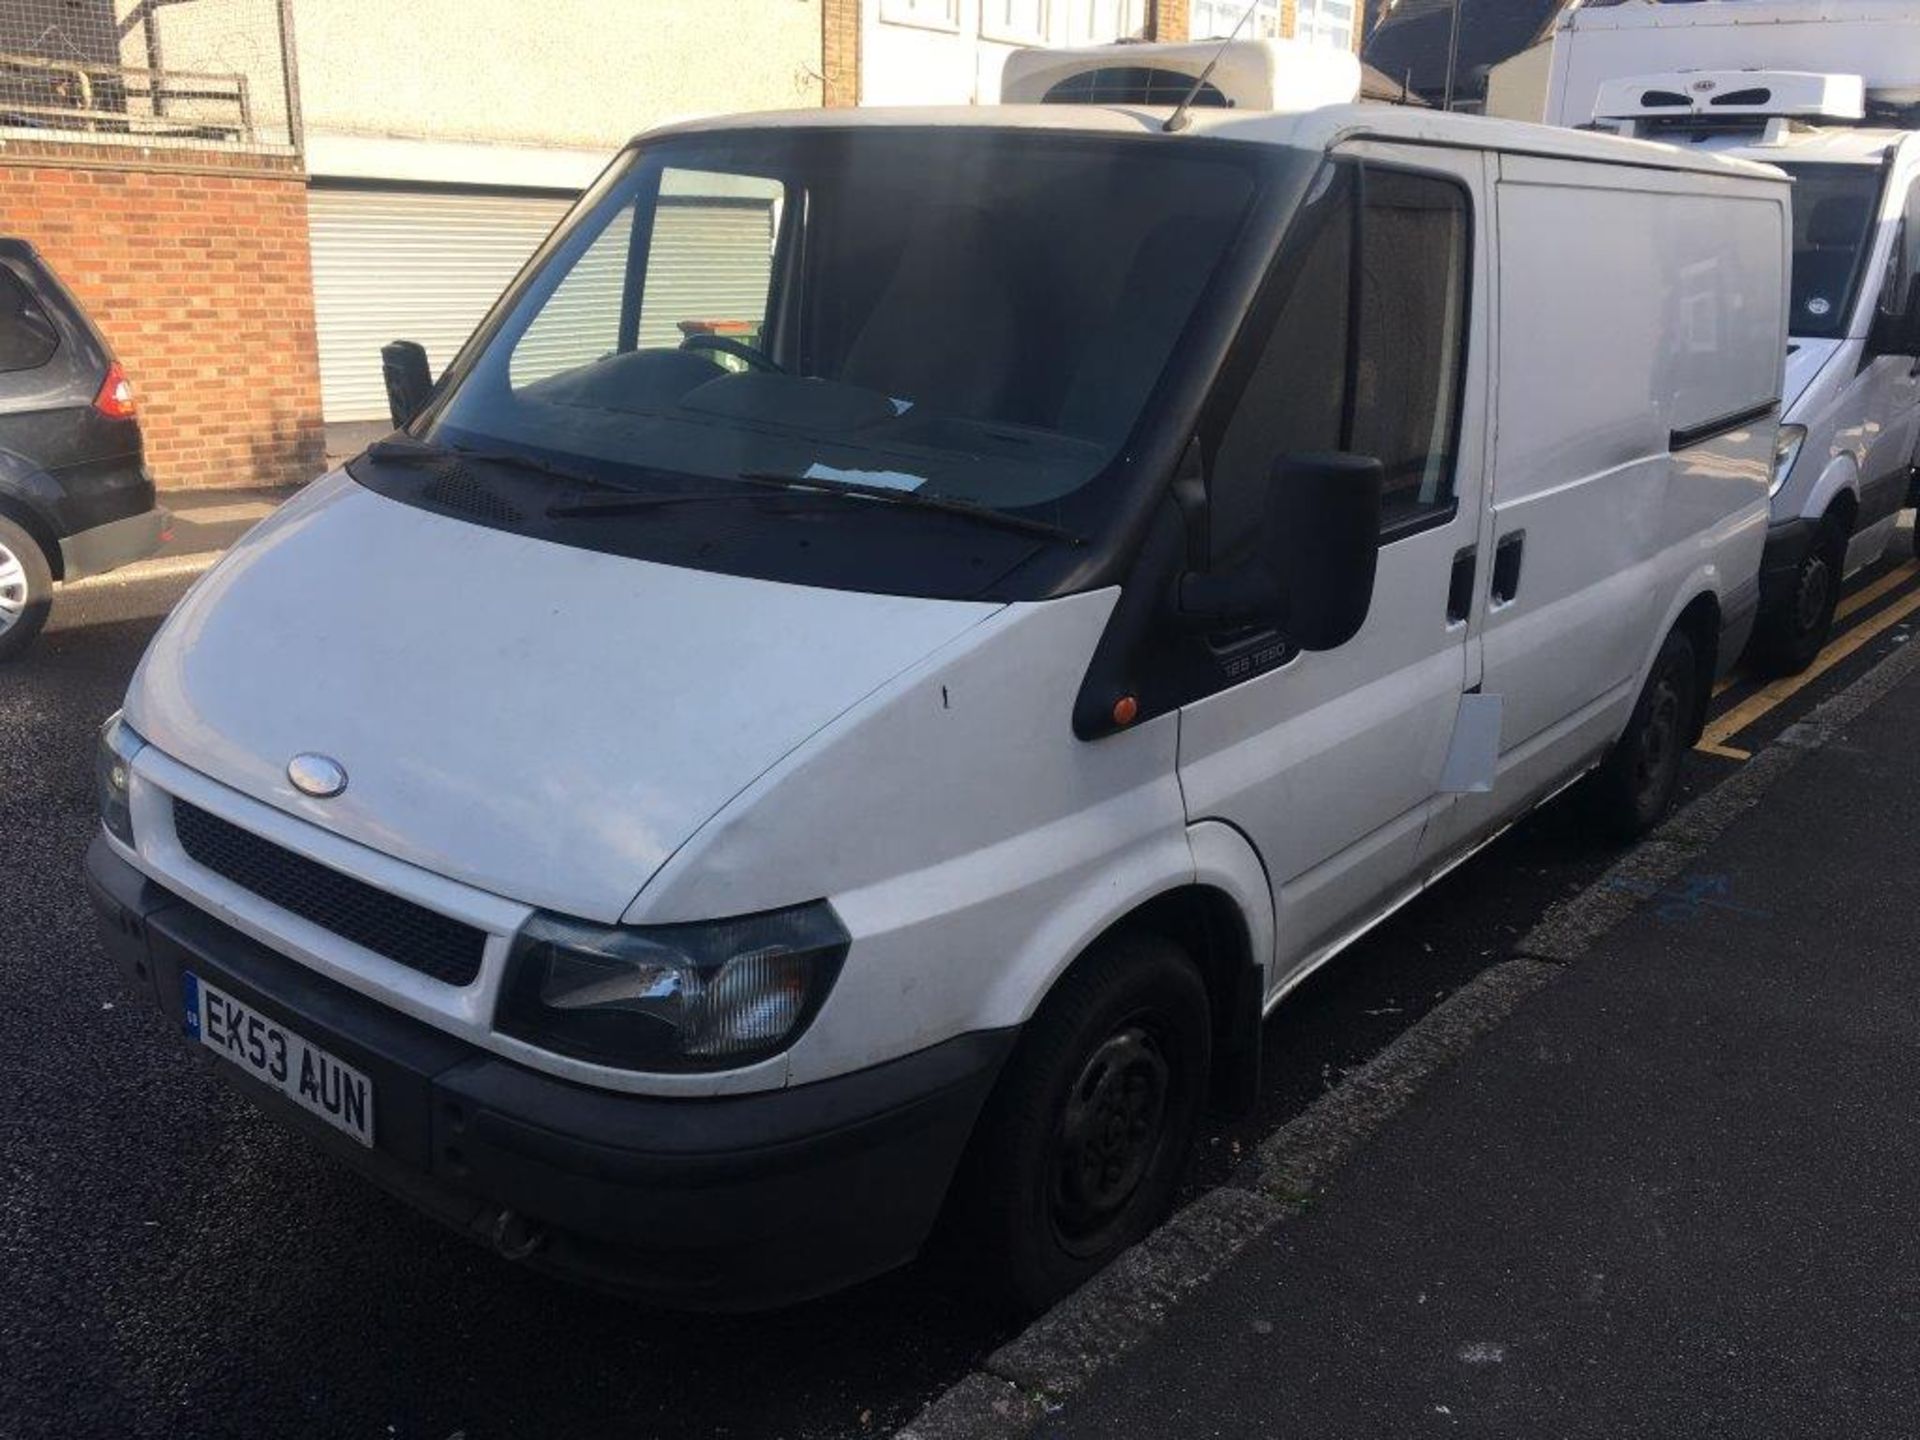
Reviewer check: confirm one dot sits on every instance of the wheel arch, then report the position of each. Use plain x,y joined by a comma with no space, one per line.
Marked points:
1837,492
1699,618
1222,917
1842,509
29,519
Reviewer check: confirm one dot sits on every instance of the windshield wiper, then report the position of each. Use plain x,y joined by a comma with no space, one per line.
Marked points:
415,452
638,502
916,499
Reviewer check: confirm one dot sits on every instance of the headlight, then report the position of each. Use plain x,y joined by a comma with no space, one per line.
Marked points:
113,756
710,996
1786,450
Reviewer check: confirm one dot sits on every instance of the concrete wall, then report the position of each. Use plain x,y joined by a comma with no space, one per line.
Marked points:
574,73
958,61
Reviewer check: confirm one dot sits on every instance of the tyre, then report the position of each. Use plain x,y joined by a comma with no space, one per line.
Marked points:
1794,633
1080,1148
26,589
1635,784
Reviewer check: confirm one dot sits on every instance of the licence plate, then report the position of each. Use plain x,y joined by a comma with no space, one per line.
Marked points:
275,1056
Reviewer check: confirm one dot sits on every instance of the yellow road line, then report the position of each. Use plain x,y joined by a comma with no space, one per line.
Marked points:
1857,601
1757,705
1860,599
1725,752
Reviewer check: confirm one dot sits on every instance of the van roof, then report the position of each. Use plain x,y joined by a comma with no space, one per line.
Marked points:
1314,130
1738,12
1829,145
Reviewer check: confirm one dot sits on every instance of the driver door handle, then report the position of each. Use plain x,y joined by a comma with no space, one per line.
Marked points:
1460,586
1507,556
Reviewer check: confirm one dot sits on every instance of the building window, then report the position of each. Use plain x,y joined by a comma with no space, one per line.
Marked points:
1329,22
1215,19
931,14
1018,22
1096,22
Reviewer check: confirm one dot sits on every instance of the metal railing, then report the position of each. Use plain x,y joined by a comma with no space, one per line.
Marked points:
163,75
121,100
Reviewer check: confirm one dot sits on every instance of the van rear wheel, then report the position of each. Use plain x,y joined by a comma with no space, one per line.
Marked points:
1082,1144
1636,783
26,589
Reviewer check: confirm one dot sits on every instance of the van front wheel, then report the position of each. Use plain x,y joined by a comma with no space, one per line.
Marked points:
1792,635
1636,783
1080,1148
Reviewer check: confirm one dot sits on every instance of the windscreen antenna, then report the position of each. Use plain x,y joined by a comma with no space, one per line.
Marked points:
1177,121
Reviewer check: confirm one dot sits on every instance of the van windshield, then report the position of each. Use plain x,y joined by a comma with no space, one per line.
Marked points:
977,315
1833,211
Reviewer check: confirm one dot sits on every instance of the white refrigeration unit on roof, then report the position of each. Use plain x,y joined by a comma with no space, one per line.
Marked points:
1608,59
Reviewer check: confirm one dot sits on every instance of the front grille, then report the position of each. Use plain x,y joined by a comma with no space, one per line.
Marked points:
419,938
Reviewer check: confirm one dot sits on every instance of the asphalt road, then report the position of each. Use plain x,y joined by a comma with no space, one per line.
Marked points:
172,1264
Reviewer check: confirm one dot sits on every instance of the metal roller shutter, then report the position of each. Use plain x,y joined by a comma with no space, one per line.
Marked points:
427,265
414,265
581,319
709,261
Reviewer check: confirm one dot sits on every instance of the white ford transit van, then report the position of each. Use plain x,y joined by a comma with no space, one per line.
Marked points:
1829,91
905,634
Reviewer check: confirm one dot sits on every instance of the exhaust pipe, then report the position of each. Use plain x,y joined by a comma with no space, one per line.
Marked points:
515,1237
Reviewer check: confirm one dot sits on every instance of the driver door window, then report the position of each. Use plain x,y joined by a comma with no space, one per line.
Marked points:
1903,263
1893,288
1365,353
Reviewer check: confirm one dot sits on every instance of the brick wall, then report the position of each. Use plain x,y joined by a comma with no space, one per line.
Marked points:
840,52
200,280
1172,21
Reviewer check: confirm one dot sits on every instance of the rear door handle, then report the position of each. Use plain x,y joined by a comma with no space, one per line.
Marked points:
1506,567
1460,587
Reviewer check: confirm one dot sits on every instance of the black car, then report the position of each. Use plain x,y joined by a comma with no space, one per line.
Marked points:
75,496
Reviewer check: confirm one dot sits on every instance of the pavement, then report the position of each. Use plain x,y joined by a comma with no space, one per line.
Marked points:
1672,1193
173,1265
204,524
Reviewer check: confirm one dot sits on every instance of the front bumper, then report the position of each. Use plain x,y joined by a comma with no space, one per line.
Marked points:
109,546
734,1202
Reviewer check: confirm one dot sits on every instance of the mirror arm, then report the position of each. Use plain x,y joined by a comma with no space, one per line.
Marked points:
1190,498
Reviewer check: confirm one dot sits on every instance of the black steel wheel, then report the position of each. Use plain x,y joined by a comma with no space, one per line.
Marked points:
1795,632
1636,783
1079,1150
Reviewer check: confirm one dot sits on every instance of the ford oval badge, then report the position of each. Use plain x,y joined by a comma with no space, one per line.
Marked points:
320,776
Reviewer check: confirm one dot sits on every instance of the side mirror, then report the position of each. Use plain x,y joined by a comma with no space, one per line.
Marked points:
1312,576
403,364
